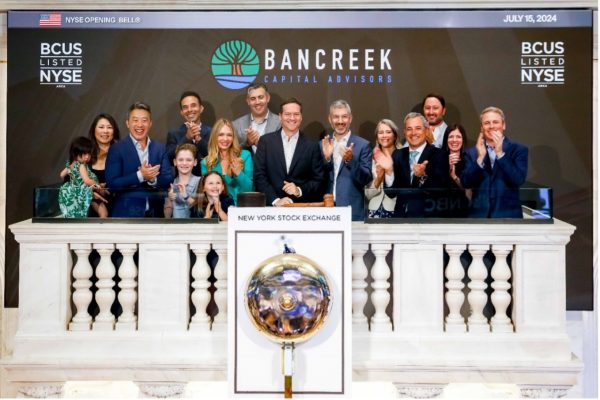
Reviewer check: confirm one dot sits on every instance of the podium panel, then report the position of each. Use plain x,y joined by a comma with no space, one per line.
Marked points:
322,365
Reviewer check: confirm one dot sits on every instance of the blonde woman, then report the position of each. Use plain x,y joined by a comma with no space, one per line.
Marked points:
226,157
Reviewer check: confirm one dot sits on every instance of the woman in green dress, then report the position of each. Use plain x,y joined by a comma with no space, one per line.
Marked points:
226,157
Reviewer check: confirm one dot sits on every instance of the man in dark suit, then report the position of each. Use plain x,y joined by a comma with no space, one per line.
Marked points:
259,121
288,167
138,170
496,167
418,170
348,160
192,130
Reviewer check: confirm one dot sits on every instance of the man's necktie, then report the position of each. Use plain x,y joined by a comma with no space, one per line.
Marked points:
412,159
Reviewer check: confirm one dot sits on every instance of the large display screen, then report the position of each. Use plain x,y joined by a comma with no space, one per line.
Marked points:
66,67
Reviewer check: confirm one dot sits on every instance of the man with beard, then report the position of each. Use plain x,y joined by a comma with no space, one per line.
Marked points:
347,160
259,120
434,109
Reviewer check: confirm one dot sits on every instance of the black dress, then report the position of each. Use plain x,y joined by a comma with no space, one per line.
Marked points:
454,204
107,195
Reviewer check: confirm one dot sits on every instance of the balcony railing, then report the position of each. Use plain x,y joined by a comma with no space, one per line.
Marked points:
432,304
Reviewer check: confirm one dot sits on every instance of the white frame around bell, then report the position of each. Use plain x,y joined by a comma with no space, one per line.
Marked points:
323,364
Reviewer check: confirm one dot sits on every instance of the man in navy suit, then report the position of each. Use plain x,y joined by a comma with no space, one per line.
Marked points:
288,167
495,169
259,120
347,160
138,170
192,130
418,170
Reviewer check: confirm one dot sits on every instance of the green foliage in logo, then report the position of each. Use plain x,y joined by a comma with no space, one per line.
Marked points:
235,58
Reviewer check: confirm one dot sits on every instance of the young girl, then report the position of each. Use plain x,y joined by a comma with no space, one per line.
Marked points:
180,200
214,200
76,195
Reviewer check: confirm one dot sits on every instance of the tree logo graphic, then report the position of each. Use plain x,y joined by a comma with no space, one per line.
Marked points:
235,64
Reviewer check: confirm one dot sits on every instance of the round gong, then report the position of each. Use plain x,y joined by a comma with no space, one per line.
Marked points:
288,297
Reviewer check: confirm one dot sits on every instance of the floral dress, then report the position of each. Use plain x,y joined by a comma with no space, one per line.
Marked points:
74,196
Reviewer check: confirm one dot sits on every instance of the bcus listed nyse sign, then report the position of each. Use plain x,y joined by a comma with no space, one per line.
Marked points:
61,63
542,63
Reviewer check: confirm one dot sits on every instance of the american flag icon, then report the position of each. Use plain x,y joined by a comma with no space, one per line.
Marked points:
51,19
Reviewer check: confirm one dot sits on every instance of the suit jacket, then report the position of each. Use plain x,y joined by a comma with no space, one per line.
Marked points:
131,196
306,169
419,195
243,122
496,189
176,137
352,177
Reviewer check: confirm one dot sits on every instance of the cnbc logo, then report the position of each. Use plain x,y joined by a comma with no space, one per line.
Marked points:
235,64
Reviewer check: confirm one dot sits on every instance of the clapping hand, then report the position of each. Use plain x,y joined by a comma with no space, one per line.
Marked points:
193,131
383,161
237,165
346,152
252,136
497,139
481,151
149,172
419,169
327,144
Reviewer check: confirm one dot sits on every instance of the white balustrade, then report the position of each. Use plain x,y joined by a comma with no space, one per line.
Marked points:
477,297
380,322
82,296
200,295
454,296
221,285
169,346
500,322
359,284
128,295
105,295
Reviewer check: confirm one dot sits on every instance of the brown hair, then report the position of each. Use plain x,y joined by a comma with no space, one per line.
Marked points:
201,200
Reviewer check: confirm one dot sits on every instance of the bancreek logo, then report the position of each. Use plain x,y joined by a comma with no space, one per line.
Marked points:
542,63
235,64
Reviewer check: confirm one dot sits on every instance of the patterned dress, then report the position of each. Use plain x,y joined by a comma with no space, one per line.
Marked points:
74,196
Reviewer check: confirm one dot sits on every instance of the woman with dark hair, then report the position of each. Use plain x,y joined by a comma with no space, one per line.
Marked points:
103,132
454,146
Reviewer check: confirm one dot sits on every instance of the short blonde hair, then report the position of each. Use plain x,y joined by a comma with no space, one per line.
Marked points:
491,109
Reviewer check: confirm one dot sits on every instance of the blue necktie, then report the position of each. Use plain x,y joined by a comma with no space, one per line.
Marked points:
412,159
492,154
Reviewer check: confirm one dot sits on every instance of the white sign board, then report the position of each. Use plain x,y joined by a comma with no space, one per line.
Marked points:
323,364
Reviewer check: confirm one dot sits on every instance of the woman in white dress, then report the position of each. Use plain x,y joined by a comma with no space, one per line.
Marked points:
380,205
